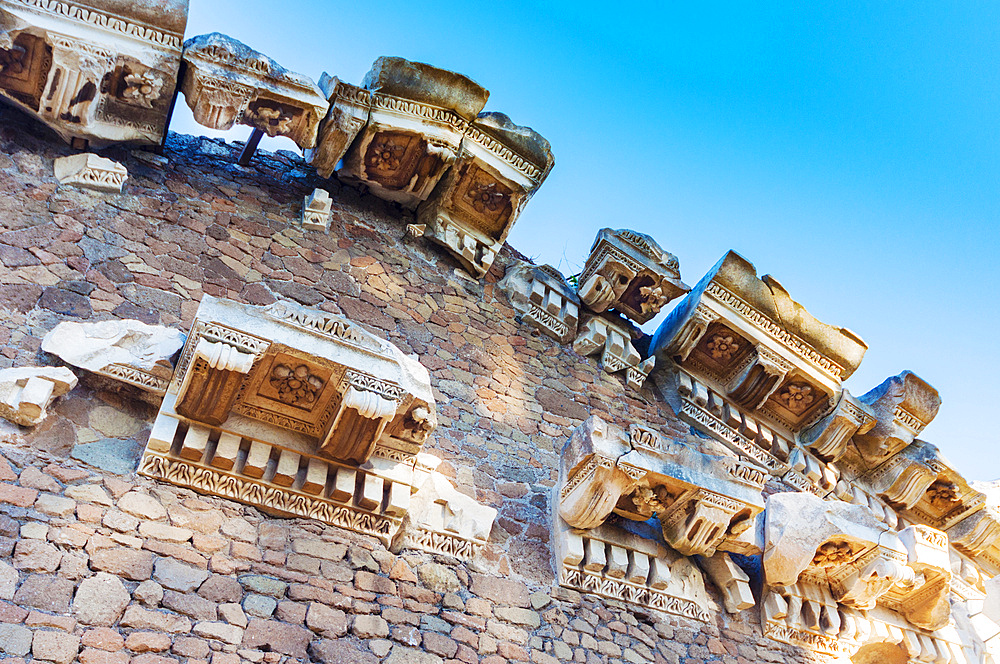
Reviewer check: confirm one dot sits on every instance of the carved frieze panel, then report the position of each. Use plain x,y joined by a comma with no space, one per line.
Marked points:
99,75
751,438
543,298
500,165
630,273
614,563
227,82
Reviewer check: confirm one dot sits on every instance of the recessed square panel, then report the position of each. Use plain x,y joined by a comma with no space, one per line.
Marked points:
291,391
722,351
797,401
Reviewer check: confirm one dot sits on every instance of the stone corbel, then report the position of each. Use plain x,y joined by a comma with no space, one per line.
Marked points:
592,490
925,600
828,438
903,405
762,376
25,393
360,420
732,582
212,381
699,520
543,298
976,533
605,285
901,481
592,481
692,331
350,107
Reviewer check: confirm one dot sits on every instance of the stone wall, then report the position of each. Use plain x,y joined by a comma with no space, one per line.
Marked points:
94,555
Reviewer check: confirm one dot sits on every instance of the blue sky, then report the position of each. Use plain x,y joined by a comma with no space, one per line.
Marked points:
851,150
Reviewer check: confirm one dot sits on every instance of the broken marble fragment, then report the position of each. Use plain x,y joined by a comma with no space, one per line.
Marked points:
227,82
90,171
95,72
26,392
316,209
126,350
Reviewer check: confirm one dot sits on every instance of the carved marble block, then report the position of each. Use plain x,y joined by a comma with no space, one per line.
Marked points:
126,350
613,340
98,72
732,582
543,298
828,438
417,118
754,370
295,410
227,82
350,107
472,210
88,171
316,210
631,568
903,406
444,521
25,393
701,500
629,272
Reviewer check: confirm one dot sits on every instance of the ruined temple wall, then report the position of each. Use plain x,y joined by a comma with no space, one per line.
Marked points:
193,222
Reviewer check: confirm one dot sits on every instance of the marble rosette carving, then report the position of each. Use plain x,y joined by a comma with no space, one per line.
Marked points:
417,117
95,72
415,134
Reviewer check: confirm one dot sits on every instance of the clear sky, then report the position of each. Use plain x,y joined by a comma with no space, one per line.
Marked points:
852,150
